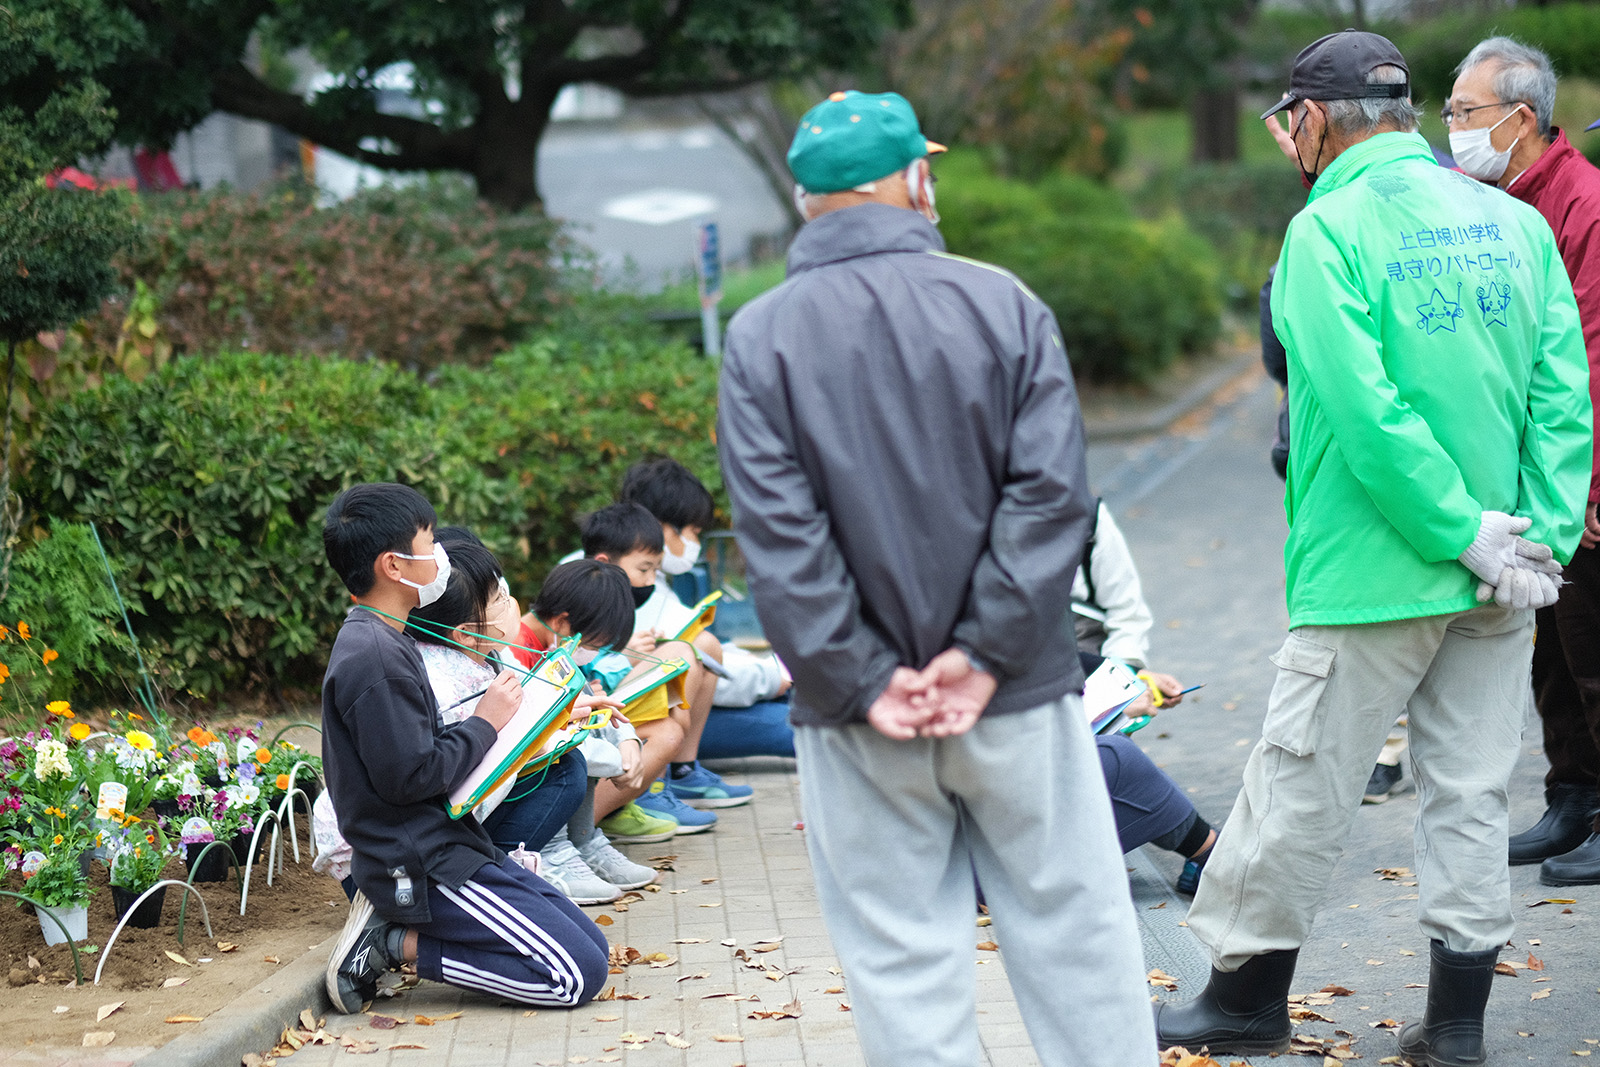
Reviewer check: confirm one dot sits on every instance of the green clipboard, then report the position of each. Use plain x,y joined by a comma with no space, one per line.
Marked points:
548,692
705,612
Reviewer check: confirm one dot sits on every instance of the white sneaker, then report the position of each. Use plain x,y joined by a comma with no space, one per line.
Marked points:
562,866
603,859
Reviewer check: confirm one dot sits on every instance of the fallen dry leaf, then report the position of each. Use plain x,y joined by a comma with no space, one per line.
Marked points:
1385,1024
1302,1014
407,1044
173,983
606,1018
1374,963
1535,963
790,1010
183,1019
1553,900
1506,969
692,977
1158,977
385,1022
603,920
107,1009
1540,995
175,958
988,946
1178,1056
1337,991
226,946
675,1041
834,989
60,1009
359,1048
714,904
308,1019
269,959
1394,874
688,941
99,1038
727,1038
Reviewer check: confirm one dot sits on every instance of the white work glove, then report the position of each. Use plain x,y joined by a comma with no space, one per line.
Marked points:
1521,588
1517,572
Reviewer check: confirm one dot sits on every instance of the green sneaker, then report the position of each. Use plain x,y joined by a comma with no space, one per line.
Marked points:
632,825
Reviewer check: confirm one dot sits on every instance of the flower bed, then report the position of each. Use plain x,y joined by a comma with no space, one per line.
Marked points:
130,797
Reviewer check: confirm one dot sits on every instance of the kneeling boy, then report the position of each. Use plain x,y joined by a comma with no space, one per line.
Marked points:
431,889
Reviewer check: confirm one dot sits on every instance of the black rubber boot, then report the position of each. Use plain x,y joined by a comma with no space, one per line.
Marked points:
1243,1013
1451,1033
1581,866
1569,813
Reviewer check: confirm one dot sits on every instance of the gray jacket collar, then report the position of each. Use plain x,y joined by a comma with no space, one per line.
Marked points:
862,230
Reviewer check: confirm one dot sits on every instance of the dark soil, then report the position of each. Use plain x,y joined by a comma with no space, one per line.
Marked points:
300,909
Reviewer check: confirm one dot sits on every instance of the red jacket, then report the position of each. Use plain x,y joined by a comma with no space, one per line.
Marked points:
1565,188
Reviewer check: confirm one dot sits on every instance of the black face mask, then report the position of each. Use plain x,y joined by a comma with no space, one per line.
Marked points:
641,593
1309,177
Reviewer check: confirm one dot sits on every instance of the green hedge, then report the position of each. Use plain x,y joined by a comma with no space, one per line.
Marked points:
209,479
1130,295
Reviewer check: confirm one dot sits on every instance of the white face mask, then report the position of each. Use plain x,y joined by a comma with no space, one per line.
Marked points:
1475,155
673,563
428,593
918,186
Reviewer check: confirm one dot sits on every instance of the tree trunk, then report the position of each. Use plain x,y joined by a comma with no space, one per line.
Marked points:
506,151
1214,125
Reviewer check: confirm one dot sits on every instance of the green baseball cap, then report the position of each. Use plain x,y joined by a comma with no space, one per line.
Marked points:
851,138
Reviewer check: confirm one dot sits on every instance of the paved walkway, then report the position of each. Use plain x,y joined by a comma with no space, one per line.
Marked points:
741,888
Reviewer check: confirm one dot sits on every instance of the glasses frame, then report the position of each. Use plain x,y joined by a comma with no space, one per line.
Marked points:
1448,114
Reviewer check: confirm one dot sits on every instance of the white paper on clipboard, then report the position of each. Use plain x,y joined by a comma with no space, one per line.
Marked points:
538,695
1111,688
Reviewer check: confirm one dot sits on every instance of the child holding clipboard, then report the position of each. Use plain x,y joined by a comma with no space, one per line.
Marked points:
430,889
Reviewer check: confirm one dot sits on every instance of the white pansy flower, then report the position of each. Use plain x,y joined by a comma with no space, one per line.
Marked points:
51,759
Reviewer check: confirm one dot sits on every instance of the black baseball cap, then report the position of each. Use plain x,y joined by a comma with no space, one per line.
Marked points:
1335,67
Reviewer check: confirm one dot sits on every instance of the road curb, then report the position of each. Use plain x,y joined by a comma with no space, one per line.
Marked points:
253,1021
1229,370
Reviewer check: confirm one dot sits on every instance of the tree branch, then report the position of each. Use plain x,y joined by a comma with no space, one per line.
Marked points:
423,146
614,70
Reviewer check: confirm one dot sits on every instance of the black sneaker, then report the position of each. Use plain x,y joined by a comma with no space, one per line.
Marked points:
359,958
1384,783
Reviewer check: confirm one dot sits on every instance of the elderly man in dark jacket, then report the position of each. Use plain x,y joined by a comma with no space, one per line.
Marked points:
903,448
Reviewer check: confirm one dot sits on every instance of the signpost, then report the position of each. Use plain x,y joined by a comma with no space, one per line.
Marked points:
708,265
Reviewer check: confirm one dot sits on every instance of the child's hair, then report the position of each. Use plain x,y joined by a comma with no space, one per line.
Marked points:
367,520
618,529
474,577
594,596
670,492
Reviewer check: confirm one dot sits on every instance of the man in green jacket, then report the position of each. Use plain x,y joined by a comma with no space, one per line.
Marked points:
1439,393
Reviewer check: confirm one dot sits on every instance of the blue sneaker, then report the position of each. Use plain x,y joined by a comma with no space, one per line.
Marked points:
661,802
701,788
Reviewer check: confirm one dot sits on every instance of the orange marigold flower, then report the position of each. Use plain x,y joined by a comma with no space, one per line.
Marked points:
78,731
283,781
5,632
263,757
135,715
5,672
201,736
58,840
49,656
23,631
59,707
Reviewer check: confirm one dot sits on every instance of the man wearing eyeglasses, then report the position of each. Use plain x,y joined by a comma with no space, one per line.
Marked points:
1498,115
1437,390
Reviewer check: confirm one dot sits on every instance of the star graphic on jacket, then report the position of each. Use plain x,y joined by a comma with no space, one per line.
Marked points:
1438,314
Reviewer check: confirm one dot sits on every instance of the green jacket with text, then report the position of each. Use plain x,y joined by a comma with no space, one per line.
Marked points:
1436,371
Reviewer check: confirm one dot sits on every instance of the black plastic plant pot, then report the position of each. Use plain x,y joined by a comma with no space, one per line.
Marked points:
147,915
213,868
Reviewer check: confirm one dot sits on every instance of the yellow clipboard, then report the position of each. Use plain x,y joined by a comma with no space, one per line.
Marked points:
648,684
548,692
705,613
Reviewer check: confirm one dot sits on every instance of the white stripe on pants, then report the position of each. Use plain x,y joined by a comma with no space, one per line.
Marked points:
896,830
1464,681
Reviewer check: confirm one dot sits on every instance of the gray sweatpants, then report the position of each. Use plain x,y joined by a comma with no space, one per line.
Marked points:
896,830
1464,682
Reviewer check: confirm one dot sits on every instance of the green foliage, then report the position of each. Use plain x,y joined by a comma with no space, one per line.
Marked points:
1174,46
1130,295
1243,209
563,417
418,275
59,586
209,479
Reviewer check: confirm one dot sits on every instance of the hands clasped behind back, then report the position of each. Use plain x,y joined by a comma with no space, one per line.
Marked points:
1516,572
944,699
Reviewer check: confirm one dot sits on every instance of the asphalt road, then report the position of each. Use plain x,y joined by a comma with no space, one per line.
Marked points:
1202,511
